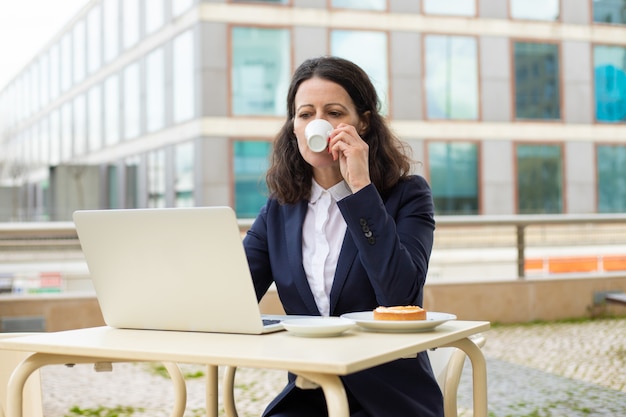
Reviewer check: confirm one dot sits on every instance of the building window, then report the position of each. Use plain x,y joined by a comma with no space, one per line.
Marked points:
609,11
183,77
611,163
155,90
262,1
361,4
535,9
453,173
131,101
184,175
451,77
44,140
44,80
539,179
111,21
130,17
113,189
94,101
610,83
132,181
260,71
155,15
180,6
450,7
54,72
537,93
66,62
94,39
55,137
80,125
156,178
66,131
111,110
250,164
80,62
367,49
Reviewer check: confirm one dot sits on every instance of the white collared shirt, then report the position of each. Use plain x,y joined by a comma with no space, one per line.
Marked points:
322,236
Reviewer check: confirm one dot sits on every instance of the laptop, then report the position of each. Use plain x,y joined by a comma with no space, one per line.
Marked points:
181,269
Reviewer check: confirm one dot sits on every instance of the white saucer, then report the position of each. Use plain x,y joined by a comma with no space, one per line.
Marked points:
318,326
365,319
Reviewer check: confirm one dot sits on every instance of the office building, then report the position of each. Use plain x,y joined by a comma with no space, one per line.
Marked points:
512,106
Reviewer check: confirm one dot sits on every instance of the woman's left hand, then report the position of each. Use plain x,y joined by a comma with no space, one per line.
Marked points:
346,145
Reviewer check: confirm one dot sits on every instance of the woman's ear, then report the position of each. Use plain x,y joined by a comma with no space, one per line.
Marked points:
364,123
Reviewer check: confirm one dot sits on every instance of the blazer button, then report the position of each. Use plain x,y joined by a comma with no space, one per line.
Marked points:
362,221
368,234
371,240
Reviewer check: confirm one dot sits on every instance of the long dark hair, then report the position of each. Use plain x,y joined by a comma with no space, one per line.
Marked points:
289,176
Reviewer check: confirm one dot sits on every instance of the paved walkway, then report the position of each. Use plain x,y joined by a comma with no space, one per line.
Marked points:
539,370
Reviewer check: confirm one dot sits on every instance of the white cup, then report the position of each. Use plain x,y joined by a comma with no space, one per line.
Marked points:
317,133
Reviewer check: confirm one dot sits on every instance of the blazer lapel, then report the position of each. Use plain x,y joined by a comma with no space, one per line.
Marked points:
294,219
344,264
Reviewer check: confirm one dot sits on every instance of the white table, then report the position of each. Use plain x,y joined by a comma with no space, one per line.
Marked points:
319,360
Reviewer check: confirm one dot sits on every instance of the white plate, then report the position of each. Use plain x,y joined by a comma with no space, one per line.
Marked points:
318,326
365,319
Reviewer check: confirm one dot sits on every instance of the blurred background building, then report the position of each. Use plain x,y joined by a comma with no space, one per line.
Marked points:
512,106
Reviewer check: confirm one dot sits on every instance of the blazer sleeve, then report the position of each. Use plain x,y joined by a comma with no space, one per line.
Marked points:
394,238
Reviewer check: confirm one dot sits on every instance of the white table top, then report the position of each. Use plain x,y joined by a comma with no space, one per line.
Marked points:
353,351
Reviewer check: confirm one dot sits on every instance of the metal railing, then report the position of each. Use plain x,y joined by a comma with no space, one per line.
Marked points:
477,233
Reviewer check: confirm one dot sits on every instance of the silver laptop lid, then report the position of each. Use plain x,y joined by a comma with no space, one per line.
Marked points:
170,269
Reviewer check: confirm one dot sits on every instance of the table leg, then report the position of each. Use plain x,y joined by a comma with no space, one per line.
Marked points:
211,391
20,375
479,374
228,386
334,392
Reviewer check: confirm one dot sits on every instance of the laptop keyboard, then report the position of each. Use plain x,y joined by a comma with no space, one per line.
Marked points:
268,322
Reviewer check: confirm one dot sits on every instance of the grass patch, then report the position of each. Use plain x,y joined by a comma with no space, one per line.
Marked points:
101,411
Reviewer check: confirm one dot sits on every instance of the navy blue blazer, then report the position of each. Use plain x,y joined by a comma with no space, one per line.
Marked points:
383,261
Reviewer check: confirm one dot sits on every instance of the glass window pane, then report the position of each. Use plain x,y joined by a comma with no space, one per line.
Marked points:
265,1
180,6
156,178
113,187
111,16
183,77
539,179
369,51
609,11
155,90
260,71
54,71
610,83
132,182
95,117
55,138
535,9
66,62
451,77
450,7
66,131
611,178
453,173
80,125
79,51
361,4
94,39
44,140
155,15
111,110
131,101
537,94
184,181
44,80
130,17
251,160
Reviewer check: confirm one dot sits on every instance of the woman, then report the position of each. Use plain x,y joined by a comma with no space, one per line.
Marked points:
344,230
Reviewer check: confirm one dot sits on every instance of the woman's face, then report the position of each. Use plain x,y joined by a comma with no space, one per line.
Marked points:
318,98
